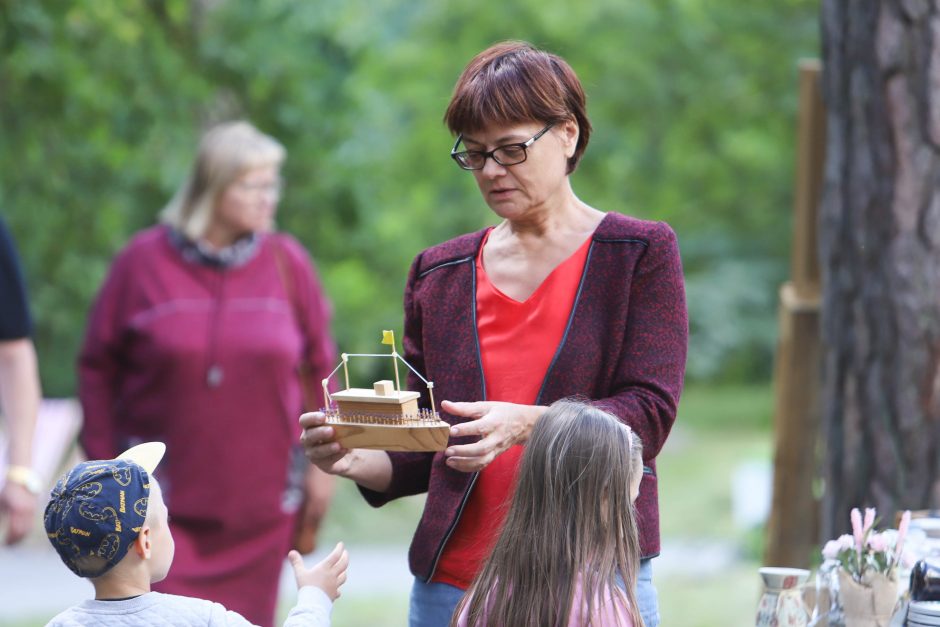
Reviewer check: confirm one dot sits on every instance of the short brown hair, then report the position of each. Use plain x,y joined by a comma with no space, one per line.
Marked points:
513,82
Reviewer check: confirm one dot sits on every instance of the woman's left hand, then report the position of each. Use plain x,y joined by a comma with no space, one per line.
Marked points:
499,425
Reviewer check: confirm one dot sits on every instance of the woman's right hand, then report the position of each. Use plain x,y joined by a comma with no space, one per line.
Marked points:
369,468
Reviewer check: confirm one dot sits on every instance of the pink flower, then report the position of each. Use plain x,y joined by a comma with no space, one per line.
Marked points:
866,549
907,559
877,543
832,549
902,532
858,532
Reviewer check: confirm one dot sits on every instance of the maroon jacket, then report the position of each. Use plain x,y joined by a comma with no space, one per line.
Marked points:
624,347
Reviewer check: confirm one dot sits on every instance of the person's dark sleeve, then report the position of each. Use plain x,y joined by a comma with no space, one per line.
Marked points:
15,321
650,373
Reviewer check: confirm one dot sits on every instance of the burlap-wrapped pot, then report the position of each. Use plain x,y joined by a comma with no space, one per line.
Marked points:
869,603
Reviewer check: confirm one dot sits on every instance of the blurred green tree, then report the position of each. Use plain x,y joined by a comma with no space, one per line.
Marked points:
693,105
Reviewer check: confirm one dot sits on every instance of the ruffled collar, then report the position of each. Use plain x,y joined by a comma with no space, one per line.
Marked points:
238,254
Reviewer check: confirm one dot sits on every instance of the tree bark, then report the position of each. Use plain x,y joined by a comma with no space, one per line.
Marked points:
880,258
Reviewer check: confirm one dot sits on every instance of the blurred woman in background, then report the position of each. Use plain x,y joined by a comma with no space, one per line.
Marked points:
203,336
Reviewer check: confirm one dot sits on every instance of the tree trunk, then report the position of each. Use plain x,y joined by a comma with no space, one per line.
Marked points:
880,258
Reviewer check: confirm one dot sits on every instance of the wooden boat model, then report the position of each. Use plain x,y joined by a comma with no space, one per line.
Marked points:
384,417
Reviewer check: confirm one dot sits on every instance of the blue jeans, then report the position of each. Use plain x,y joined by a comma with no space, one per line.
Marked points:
646,597
433,604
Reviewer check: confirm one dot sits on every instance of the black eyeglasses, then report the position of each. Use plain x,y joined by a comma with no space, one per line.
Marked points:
509,154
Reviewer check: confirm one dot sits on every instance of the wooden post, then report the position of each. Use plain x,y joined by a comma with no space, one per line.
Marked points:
792,530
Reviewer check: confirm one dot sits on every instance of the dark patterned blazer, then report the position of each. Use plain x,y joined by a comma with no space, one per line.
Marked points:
624,348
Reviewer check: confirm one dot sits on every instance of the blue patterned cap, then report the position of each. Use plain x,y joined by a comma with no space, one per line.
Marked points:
97,509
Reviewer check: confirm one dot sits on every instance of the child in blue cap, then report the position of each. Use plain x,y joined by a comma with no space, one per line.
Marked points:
108,522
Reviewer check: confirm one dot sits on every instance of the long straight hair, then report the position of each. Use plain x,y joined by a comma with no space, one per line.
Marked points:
571,519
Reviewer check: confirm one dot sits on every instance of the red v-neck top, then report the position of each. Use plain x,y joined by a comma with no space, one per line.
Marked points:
517,343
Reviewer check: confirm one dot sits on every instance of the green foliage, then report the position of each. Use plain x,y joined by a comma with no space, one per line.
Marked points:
692,102
727,408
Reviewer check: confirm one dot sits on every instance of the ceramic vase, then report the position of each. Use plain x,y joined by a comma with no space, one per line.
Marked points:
781,604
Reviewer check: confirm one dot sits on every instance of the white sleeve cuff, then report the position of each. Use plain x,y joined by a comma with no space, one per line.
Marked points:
312,596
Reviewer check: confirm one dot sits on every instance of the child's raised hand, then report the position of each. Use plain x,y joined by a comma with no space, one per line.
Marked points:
328,575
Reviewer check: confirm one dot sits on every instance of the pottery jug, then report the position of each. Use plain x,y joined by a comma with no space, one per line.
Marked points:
781,604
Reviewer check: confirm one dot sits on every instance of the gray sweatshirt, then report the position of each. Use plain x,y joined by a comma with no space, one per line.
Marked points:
155,609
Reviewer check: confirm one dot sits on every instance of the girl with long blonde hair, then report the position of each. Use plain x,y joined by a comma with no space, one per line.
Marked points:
568,552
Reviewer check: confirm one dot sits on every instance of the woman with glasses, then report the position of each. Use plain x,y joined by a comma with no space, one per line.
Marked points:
197,339
558,299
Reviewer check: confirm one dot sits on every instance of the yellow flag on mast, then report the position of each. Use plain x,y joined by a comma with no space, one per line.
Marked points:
388,337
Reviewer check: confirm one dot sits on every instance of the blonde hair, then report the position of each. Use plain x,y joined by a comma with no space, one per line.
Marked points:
225,152
571,518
